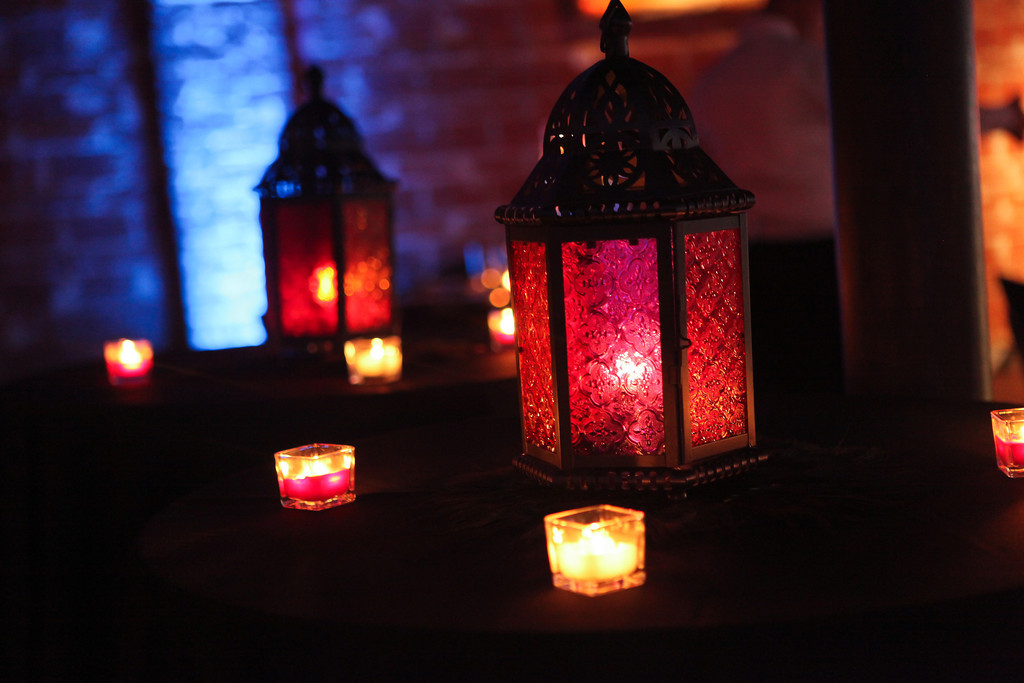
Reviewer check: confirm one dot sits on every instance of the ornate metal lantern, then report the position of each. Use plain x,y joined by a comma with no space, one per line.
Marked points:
326,214
627,254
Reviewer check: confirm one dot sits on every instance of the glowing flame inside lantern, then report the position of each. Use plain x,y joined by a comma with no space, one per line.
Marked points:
324,284
630,368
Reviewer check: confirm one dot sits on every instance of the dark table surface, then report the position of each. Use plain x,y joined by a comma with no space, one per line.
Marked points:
879,542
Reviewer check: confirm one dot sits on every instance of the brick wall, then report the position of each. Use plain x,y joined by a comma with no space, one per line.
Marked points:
452,103
223,91
450,97
81,252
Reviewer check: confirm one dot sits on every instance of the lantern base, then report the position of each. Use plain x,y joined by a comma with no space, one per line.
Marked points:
642,479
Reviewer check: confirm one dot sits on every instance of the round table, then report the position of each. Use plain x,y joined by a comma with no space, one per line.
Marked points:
868,512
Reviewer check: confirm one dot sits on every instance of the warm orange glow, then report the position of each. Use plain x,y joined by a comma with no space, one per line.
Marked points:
128,361
490,278
596,550
317,476
324,284
596,8
316,466
508,321
129,356
999,36
630,368
502,325
595,556
374,360
1008,430
500,297
500,286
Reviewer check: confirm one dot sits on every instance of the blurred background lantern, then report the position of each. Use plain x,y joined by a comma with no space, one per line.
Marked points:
326,214
627,254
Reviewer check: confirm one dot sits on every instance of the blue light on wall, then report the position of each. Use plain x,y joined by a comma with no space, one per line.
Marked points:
223,85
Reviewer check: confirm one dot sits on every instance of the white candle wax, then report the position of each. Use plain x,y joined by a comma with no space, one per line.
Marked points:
596,557
374,359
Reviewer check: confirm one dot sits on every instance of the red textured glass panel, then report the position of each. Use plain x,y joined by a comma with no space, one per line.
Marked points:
717,358
367,265
305,252
530,304
613,333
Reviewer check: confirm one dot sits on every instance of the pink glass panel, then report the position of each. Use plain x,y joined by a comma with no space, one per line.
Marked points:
367,265
717,358
530,304
305,262
613,333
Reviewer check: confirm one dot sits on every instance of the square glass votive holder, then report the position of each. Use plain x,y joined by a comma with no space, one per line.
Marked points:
377,360
597,549
128,361
1008,432
317,476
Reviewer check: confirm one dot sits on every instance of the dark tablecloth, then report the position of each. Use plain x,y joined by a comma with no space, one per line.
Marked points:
878,541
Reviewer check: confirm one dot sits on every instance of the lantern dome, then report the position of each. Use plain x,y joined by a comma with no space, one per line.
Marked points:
320,152
621,143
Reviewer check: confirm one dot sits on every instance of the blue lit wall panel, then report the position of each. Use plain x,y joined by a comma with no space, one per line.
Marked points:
223,85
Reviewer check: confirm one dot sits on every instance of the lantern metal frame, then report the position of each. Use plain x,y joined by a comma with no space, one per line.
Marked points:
322,163
622,161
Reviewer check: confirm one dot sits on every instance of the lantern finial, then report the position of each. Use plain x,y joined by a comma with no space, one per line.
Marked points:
314,81
615,27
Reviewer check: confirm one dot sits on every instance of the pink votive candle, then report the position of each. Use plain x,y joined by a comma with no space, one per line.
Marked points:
1008,432
128,361
316,477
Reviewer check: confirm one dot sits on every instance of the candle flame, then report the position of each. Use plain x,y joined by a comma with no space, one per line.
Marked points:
508,321
376,348
129,356
315,467
629,368
596,541
324,284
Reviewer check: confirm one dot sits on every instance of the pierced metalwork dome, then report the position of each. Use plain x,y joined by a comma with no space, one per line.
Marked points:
621,143
320,152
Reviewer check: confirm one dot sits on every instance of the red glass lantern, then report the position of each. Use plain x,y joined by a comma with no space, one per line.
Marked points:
627,254
326,214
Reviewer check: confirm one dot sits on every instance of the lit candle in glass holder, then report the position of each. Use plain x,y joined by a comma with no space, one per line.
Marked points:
317,476
502,324
374,360
596,550
128,361
1008,431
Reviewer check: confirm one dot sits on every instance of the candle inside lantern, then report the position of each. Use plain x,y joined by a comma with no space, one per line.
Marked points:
502,324
374,360
597,549
323,284
128,361
1008,431
316,477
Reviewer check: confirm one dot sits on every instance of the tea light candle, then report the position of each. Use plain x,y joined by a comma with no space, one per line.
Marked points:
128,361
1008,432
596,557
597,549
374,360
502,324
316,476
